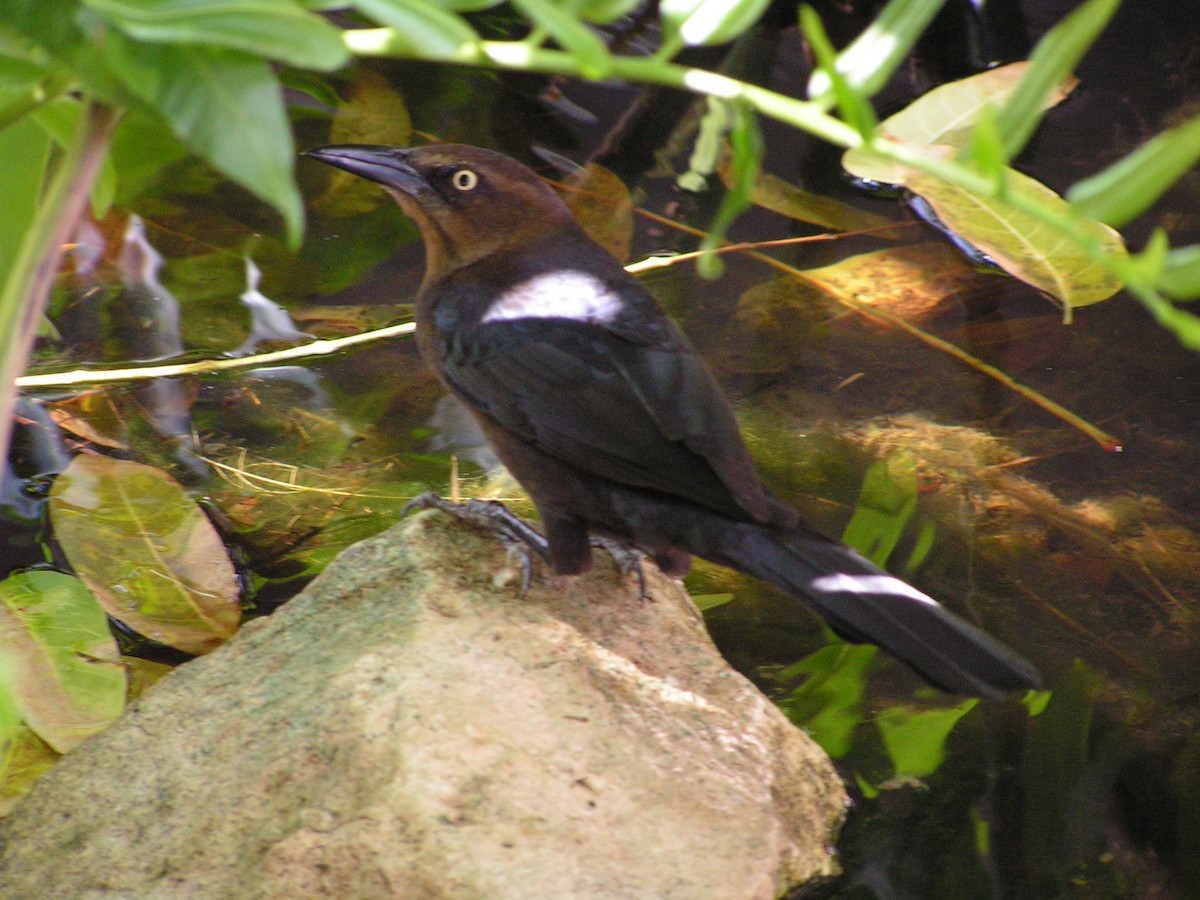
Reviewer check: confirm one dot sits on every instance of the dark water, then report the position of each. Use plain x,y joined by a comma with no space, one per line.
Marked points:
1086,561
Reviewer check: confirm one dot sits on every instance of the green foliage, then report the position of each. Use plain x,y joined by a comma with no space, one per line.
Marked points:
1050,63
916,739
172,581
62,672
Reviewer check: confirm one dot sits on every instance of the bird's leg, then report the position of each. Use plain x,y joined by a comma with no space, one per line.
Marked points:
628,559
517,536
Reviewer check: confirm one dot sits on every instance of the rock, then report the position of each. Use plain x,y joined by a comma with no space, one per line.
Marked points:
409,726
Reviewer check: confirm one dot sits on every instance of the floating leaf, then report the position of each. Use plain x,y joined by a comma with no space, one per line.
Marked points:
65,673
944,116
147,551
1020,243
773,193
600,201
912,281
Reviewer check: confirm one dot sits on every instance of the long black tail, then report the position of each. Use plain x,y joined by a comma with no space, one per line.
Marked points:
863,603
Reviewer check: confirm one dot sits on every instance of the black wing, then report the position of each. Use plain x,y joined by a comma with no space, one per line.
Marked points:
631,402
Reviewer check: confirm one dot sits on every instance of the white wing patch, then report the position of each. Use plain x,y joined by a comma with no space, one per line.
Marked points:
562,294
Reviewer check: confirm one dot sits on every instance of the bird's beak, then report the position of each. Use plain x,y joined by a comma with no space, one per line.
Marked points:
388,166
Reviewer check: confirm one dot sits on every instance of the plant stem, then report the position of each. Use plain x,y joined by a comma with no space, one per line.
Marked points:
27,287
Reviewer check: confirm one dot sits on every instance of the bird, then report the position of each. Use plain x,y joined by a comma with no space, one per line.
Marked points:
612,422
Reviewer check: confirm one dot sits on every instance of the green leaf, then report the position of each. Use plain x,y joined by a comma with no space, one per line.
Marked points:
829,705
226,107
588,48
773,193
944,117
147,551
59,118
1020,244
24,757
1181,273
420,28
272,29
746,142
852,103
65,672
916,741
1051,62
869,61
605,11
705,602
143,147
1130,186
696,22
885,505
25,149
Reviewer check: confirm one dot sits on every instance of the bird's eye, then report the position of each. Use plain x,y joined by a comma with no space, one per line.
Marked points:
464,179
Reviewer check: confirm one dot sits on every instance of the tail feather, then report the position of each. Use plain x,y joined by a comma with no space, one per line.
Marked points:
865,604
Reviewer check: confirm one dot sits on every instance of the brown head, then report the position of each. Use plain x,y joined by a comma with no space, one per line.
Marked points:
468,202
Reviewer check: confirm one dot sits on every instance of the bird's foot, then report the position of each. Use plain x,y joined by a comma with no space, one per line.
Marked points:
628,560
517,537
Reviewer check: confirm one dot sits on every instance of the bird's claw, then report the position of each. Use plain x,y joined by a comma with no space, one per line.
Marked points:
628,560
517,537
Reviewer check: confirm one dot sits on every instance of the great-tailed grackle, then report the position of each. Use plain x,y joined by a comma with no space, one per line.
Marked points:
601,408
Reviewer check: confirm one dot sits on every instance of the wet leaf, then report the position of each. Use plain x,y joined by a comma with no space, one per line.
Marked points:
829,705
600,202
885,505
24,757
773,193
916,740
144,674
92,416
1021,244
147,551
373,113
65,673
944,116
911,281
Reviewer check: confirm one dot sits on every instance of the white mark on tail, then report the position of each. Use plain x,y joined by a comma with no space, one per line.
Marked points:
841,583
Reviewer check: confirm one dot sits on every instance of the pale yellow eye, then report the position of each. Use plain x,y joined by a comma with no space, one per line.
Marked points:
465,180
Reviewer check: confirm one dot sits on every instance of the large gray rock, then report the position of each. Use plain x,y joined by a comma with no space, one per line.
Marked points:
410,727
